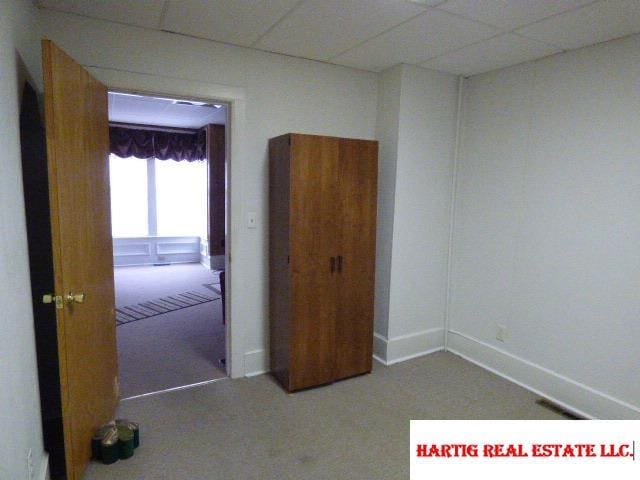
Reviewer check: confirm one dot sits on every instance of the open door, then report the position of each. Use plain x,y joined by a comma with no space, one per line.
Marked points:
77,150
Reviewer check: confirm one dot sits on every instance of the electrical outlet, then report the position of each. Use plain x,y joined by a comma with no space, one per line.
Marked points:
501,333
30,464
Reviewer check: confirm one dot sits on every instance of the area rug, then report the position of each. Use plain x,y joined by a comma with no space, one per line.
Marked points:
152,308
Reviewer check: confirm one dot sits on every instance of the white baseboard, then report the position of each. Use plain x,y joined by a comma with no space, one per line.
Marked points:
205,261
131,251
379,360
406,347
256,362
380,348
572,395
44,468
212,262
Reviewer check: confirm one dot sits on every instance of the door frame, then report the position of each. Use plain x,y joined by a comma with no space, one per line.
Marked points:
234,97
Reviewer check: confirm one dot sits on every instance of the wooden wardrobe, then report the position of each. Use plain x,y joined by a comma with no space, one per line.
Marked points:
322,234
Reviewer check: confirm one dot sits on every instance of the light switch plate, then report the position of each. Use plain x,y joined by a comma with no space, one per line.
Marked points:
252,220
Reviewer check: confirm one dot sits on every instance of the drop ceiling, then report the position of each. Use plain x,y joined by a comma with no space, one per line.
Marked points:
464,37
143,110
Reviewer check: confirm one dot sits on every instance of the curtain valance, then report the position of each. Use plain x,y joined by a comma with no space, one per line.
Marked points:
163,145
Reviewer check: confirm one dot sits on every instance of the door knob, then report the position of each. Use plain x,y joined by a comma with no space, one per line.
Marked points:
75,297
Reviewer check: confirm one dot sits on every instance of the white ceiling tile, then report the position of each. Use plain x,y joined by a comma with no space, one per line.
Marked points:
426,36
240,22
321,29
376,34
594,23
497,52
509,14
144,13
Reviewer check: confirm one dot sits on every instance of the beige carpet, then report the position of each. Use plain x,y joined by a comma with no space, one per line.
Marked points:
355,429
173,349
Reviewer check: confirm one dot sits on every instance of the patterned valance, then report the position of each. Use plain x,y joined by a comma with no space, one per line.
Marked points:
163,145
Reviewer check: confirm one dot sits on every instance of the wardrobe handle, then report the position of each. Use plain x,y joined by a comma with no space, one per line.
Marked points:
339,263
333,264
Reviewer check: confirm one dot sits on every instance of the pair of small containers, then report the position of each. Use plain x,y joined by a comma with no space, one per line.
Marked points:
115,441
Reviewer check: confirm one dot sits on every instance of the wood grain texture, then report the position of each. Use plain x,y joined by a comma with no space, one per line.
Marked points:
279,272
322,322
313,227
77,151
357,196
216,158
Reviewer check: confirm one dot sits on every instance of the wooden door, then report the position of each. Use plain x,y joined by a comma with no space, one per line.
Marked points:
313,231
77,153
357,167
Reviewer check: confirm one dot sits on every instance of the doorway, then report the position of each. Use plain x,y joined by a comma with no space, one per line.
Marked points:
78,300
168,183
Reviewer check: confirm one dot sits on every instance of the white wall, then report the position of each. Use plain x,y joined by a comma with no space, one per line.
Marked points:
19,399
283,94
388,119
545,219
417,123
547,227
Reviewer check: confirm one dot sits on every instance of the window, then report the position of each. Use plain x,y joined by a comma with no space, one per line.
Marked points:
181,198
129,198
158,197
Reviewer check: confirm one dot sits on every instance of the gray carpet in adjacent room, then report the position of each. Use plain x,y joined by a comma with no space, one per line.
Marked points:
250,429
173,349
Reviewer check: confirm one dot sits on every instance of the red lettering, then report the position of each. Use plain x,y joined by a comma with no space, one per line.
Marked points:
421,450
446,450
516,451
501,450
471,450
612,451
545,449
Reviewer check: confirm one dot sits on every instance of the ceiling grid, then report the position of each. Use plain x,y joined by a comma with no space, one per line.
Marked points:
464,37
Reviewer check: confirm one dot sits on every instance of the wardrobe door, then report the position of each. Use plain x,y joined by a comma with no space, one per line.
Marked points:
313,235
358,175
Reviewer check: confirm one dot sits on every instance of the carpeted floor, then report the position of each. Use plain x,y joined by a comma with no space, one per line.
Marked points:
356,429
173,349
158,306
